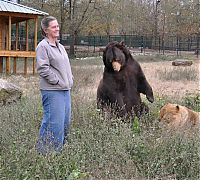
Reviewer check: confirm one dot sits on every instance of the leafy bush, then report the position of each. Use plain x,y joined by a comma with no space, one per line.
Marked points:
193,102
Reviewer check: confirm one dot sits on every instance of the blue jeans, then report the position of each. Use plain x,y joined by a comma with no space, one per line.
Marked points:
56,120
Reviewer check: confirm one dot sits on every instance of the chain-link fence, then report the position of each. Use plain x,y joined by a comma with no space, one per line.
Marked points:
173,43
94,43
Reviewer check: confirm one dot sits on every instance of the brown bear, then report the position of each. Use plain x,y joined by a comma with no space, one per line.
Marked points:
123,81
175,116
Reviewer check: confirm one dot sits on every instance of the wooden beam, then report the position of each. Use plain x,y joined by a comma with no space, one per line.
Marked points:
1,32
26,35
35,43
35,38
14,65
7,36
20,15
25,59
8,45
1,64
25,65
17,36
6,53
34,60
1,43
7,65
9,33
16,48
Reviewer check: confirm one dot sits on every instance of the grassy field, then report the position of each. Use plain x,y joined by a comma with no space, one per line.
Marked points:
98,147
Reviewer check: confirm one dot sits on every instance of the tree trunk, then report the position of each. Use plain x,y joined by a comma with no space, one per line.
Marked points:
72,42
61,18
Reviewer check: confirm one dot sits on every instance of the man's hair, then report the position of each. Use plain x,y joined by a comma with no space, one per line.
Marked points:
45,23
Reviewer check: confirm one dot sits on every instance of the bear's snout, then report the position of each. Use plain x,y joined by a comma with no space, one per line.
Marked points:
116,66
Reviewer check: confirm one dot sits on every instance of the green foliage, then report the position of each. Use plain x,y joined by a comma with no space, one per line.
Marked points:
136,126
193,102
76,174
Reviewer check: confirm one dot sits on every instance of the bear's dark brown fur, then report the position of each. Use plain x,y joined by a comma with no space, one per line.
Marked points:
123,81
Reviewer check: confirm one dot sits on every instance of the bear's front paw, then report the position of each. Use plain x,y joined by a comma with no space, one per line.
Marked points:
150,98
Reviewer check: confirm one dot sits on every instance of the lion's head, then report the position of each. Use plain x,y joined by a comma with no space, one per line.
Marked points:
174,115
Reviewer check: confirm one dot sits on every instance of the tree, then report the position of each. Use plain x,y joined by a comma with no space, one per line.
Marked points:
79,12
138,17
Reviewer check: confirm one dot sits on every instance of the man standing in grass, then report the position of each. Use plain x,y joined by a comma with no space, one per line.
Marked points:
56,80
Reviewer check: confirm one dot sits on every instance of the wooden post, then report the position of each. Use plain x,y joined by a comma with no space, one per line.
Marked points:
1,37
26,59
16,48
9,34
35,43
17,36
2,30
25,65
9,46
27,35
1,64
35,38
14,65
7,65
7,38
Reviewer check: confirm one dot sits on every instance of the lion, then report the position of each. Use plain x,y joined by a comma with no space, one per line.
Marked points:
176,116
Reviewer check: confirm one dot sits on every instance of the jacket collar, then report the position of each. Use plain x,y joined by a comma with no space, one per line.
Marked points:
57,42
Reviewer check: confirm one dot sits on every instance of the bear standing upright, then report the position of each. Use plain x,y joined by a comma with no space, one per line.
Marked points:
123,81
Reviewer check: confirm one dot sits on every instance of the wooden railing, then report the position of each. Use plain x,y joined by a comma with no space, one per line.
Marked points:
17,54
7,53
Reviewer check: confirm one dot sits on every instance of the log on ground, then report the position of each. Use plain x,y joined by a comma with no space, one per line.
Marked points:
182,62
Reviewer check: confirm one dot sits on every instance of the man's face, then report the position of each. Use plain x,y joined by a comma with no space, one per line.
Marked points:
53,29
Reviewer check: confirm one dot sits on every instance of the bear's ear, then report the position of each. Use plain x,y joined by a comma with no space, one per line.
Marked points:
125,51
177,107
122,43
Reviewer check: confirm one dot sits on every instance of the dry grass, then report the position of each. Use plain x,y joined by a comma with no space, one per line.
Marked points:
165,79
157,74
